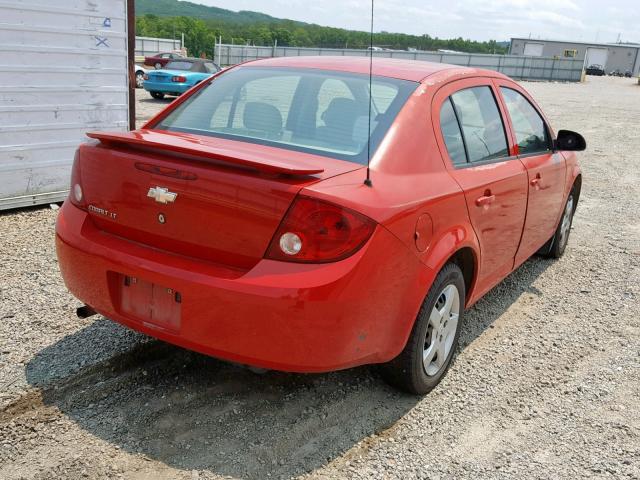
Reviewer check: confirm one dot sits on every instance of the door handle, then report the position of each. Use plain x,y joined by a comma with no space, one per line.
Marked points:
535,182
486,199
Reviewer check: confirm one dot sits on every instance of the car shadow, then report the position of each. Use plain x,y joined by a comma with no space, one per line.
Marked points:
166,100
190,411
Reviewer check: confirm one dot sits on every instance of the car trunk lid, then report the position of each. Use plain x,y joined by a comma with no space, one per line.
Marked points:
160,76
214,199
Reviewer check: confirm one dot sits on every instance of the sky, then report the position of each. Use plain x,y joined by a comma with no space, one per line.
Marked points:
579,20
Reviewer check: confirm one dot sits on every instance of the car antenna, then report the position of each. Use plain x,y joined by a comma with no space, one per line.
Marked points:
367,180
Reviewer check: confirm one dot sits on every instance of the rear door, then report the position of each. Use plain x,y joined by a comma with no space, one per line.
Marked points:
546,169
472,136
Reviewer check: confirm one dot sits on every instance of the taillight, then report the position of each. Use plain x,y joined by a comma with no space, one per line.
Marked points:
179,79
145,77
76,194
315,231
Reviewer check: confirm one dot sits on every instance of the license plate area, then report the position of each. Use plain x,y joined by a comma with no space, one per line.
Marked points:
152,304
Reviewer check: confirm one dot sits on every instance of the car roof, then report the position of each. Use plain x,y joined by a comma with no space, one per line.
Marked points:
412,70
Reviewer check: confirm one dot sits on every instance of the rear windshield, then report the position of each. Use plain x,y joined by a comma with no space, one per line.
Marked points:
180,65
314,111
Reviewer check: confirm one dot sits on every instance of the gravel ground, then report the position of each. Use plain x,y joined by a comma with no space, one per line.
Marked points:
546,384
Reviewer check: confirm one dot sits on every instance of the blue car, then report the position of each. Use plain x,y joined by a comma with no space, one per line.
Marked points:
178,76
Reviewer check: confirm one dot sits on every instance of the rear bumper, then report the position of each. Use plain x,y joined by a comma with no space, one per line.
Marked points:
166,87
277,315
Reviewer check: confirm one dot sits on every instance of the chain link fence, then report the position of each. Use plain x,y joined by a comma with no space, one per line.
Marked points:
515,66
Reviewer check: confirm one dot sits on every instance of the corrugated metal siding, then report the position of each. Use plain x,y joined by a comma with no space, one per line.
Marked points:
63,72
147,46
518,67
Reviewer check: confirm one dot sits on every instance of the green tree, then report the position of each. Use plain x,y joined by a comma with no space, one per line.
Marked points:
258,29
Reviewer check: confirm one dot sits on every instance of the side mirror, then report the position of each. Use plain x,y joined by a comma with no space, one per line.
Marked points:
570,141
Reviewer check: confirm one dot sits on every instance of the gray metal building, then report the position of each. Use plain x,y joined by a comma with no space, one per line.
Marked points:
612,56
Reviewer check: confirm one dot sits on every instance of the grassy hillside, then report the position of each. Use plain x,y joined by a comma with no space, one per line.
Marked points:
177,8
202,25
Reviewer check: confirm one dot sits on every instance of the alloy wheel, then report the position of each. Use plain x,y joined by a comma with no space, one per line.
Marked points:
441,332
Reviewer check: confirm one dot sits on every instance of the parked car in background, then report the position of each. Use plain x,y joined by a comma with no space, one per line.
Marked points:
178,76
161,59
628,74
617,73
238,222
597,70
140,73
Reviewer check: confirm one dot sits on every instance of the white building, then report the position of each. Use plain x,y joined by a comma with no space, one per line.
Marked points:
612,56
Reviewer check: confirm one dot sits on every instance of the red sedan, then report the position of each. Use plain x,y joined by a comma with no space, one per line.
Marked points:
160,60
237,222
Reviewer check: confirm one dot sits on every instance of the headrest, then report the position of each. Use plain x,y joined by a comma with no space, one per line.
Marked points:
262,117
341,113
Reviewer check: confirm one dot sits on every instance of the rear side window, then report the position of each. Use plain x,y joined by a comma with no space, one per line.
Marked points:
482,128
452,134
531,132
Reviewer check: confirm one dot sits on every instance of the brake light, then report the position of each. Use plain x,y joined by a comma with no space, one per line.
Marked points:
145,77
179,79
76,194
315,231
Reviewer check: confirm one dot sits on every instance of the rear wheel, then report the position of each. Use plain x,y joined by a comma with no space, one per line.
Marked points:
158,66
433,340
139,79
157,95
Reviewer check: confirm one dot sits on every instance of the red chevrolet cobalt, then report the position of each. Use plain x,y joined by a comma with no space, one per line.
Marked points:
238,222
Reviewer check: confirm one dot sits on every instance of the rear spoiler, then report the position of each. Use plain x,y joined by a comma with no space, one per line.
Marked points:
261,158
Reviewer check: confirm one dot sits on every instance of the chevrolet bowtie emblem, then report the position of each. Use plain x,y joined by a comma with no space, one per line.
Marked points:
162,195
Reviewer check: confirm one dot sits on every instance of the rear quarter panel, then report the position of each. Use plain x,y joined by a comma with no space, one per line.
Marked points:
193,78
412,196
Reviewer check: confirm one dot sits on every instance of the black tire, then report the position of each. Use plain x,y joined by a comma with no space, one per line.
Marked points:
157,95
557,245
139,79
407,371
158,66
